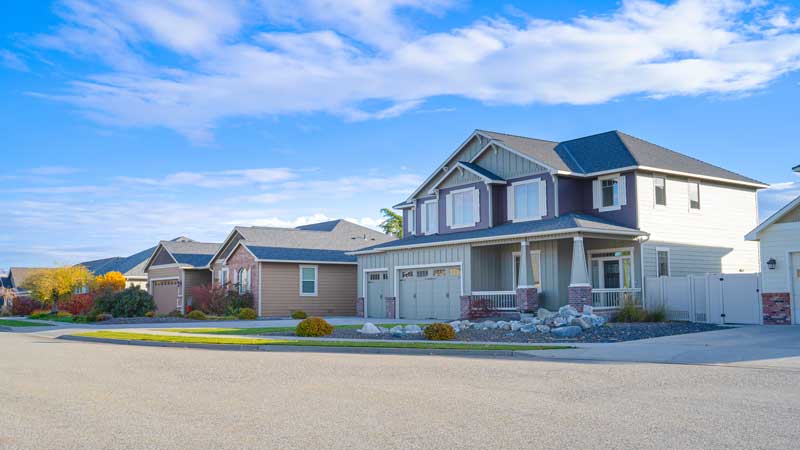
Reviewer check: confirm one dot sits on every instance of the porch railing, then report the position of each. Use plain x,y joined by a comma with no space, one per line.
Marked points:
499,300
615,298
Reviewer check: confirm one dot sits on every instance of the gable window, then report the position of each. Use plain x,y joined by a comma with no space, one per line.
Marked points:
662,257
527,200
609,192
430,217
243,280
463,208
660,185
694,195
308,280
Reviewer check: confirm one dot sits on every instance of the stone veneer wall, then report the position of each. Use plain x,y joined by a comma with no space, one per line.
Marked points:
776,308
360,307
580,296
390,307
527,299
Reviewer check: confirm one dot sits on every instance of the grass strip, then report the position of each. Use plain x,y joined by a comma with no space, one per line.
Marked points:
122,335
23,323
261,330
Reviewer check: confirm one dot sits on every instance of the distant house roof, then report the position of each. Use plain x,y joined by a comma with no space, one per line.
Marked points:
131,266
569,222
796,168
187,253
299,254
18,275
5,282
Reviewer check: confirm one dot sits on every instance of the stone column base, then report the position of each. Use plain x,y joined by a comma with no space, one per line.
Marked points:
360,307
580,296
466,305
527,299
390,307
776,308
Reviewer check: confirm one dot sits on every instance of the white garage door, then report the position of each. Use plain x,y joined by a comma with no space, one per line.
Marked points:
376,290
165,294
430,293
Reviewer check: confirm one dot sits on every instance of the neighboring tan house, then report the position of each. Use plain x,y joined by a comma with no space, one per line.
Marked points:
520,223
779,238
174,268
18,275
289,269
132,267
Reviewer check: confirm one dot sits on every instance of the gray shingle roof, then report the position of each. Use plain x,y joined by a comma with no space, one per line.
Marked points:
191,253
194,260
20,274
796,168
343,236
300,254
537,149
480,170
565,222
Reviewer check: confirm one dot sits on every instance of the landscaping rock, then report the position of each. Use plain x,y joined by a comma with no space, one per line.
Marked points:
490,325
595,321
397,331
456,324
567,312
544,314
516,325
588,310
566,332
543,329
558,322
369,328
413,329
585,324
528,329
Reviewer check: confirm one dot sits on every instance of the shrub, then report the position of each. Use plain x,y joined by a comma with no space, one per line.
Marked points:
247,314
209,298
132,302
77,304
24,306
631,313
299,314
196,315
236,302
40,313
174,313
64,314
150,314
657,315
439,332
314,327
102,317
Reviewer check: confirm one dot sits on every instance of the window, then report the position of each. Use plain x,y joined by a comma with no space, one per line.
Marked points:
612,269
535,268
694,195
610,193
407,274
662,256
412,221
243,281
526,201
223,276
308,280
660,184
422,274
430,217
463,205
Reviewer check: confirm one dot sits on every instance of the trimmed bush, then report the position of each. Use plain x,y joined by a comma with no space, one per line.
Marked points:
40,314
24,306
439,332
314,327
299,314
196,315
102,317
150,314
247,314
132,302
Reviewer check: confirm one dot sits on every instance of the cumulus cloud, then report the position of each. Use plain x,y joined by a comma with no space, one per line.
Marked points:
339,57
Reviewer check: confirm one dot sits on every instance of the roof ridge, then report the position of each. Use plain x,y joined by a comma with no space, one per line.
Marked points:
516,135
589,136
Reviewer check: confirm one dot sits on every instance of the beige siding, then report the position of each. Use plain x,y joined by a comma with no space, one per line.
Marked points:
280,290
777,241
792,216
705,241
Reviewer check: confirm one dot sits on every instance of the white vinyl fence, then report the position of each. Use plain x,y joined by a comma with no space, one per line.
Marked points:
712,298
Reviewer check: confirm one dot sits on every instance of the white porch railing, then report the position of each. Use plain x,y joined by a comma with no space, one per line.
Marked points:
499,300
615,298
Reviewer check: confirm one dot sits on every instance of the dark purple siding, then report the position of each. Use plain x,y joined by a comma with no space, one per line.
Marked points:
484,219
499,204
575,196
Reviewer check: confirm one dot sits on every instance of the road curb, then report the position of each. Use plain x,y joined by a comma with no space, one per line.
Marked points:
310,349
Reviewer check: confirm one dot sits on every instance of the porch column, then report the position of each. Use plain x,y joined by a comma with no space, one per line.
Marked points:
527,296
580,286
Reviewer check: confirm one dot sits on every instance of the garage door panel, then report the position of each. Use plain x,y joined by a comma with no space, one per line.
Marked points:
165,295
430,293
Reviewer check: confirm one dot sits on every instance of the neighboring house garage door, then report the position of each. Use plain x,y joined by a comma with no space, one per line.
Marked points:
376,290
165,294
430,293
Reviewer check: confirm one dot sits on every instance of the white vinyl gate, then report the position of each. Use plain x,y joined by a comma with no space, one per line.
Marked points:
713,298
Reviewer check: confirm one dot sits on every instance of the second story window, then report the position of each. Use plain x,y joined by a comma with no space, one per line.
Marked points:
463,208
527,200
660,185
412,221
694,195
609,192
430,217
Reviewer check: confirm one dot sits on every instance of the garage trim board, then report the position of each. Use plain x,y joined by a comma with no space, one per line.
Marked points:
364,280
397,270
792,280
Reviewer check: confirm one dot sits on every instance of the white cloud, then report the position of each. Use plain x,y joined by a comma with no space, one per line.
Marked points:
337,57
52,170
777,196
218,179
12,61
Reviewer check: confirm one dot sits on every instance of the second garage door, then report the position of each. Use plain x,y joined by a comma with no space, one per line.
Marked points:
165,294
430,293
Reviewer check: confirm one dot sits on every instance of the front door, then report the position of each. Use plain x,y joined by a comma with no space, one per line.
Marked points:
795,277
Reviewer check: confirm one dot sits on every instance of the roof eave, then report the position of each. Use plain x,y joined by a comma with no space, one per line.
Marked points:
754,235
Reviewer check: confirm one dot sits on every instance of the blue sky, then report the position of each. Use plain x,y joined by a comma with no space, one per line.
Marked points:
130,122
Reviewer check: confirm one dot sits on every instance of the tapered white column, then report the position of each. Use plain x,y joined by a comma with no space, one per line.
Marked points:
525,267
579,274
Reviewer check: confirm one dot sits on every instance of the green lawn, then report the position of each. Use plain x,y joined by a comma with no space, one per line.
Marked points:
23,323
121,335
262,330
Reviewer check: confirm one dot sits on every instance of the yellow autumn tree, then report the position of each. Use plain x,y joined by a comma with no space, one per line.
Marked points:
111,281
50,285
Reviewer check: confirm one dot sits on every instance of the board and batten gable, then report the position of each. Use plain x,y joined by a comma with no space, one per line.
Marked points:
708,240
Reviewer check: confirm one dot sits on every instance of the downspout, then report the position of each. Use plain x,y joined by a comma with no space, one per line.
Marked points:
260,289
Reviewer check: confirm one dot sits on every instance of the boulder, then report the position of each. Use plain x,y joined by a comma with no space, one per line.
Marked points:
369,328
465,324
588,310
567,311
503,325
456,324
584,323
566,332
558,322
528,329
542,329
516,325
413,329
594,320
544,314
490,325
397,331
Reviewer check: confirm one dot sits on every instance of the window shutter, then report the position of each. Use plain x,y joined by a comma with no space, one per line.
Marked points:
542,197
623,194
423,217
449,209
510,202
476,206
596,194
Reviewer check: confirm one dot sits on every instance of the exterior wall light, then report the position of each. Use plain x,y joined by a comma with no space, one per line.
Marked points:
771,263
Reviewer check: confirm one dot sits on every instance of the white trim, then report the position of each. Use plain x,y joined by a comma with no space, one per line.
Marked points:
502,145
503,237
424,216
793,299
239,244
540,182
164,266
223,245
669,260
620,191
664,171
303,261
396,286
412,220
514,274
316,280
181,288
617,249
364,290
475,220
164,278
689,184
444,164
753,235
462,167
655,189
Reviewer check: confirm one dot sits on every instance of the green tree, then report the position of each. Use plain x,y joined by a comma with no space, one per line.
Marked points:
392,223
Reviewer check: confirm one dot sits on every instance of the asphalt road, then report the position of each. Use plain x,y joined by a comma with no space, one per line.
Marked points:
56,394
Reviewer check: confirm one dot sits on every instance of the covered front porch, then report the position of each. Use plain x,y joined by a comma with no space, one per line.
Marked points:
599,270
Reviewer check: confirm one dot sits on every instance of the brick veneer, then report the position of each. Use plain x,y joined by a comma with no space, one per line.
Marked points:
465,302
527,299
360,307
579,296
241,258
776,308
390,307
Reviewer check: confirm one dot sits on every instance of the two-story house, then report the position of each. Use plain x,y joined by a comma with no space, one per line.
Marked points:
520,223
